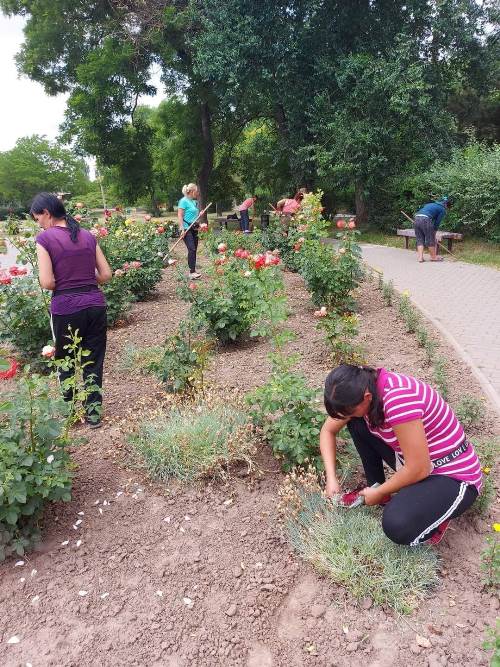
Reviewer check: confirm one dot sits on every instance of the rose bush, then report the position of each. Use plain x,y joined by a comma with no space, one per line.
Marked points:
242,296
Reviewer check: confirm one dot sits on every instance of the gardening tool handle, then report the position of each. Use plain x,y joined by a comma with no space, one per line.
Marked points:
407,216
185,231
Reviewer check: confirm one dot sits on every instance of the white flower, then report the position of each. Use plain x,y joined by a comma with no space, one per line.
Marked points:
48,351
50,458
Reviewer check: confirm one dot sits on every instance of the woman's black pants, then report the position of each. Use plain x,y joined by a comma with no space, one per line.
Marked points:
415,511
91,324
191,241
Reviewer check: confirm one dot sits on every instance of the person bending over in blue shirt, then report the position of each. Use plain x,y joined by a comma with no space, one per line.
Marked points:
427,221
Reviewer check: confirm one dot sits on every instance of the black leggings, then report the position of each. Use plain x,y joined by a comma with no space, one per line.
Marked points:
415,511
191,241
92,328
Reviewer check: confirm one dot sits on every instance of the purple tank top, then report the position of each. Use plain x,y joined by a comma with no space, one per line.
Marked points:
74,266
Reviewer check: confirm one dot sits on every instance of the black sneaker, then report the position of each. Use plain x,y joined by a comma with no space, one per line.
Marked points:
93,422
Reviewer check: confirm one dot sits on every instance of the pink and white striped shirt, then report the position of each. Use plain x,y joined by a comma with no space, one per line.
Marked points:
405,399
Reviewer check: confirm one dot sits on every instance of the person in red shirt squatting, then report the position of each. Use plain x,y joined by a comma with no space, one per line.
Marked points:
404,422
243,211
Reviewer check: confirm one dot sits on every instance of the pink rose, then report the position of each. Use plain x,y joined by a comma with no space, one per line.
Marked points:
48,351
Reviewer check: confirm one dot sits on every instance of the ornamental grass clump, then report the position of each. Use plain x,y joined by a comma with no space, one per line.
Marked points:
349,547
197,441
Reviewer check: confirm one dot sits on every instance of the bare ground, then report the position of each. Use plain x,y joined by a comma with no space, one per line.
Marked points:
202,575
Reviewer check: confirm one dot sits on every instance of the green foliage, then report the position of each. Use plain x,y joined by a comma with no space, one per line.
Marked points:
38,165
24,316
490,560
487,450
251,242
198,441
185,359
331,276
142,281
118,298
492,643
469,410
388,293
242,297
349,547
341,332
35,465
285,408
440,376
408,313
472,178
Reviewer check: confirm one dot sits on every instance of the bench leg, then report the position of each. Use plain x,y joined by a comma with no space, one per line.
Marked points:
406,241
450,241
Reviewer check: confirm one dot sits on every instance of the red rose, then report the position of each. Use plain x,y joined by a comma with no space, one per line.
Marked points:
341,224
11,371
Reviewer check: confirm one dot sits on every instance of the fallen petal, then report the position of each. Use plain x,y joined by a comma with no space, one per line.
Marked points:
63,544
187,601
19,563
79,543
81,513
13,640
159,594
33,572
82,593
104,596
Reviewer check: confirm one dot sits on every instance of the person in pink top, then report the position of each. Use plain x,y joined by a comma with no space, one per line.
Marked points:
404,422
243,210
290,206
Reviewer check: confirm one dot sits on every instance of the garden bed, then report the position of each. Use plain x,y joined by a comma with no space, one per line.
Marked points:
202,574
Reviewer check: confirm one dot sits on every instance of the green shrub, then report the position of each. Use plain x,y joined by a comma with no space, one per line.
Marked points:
286,410
472,179
184,361
331,276
142,281
242,297
24,316
118,298
490,559
35,466
200,440
341,332
349,547
469,410
487,450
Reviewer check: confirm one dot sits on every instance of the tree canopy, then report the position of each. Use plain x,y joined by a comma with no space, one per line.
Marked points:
342,95
36,164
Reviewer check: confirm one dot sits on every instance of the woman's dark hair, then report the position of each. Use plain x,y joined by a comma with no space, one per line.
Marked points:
299,196
49,202
345,388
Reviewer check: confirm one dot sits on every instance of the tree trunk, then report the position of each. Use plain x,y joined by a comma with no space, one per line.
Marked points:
208,155
361,209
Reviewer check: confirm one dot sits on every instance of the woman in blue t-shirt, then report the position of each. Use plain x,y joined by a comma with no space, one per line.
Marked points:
187,212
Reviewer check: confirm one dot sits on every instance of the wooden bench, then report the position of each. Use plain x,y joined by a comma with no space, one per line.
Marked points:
440,236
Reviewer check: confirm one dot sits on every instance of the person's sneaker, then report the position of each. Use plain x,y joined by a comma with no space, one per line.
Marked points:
93,422
195,276
439,534
354,499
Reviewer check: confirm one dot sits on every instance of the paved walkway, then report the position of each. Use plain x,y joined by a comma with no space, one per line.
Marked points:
462,300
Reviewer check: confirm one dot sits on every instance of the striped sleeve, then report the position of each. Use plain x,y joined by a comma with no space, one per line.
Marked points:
403,404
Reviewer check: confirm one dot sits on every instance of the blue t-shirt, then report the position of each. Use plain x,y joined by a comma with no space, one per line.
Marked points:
191,211
434,211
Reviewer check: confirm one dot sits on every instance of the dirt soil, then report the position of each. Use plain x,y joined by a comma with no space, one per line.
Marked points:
203,575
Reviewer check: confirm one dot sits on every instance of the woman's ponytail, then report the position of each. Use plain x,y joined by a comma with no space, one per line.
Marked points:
73,226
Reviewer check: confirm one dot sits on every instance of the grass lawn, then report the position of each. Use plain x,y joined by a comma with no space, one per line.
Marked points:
469,250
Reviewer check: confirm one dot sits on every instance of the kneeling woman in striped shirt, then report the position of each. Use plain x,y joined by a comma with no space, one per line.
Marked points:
402,421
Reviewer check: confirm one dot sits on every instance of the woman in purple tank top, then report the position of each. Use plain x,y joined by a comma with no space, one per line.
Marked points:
72,265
